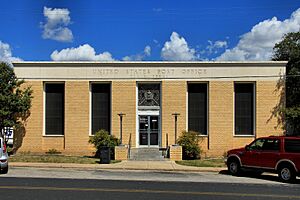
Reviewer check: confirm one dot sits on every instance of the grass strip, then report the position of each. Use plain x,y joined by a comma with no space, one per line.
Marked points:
56,159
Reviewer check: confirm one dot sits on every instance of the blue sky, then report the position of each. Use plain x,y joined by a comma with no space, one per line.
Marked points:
144,30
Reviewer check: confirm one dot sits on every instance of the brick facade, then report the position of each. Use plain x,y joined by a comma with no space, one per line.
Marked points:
173,99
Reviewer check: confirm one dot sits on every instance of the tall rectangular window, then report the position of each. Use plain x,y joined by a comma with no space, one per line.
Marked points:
244,108
197,107
54,111
100,106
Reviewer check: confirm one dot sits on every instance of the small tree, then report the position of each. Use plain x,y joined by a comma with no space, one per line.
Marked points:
289,50
190,145
103,139
15,101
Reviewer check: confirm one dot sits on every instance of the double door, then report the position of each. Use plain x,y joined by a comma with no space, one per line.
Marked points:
149,130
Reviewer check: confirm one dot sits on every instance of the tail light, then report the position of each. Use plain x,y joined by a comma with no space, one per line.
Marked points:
4,147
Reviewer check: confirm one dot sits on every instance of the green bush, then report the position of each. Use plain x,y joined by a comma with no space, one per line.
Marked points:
190,145
53,152
102,139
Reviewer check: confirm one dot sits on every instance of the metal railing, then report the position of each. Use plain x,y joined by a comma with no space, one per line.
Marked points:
129,147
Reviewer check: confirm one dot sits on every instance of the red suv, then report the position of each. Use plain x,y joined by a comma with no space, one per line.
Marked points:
279,154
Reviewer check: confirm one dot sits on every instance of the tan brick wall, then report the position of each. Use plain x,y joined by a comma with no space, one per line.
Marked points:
76,136
221,116
173,94
124,100
173,99
121,152
267,99
77,111
32,140
52,143
175,152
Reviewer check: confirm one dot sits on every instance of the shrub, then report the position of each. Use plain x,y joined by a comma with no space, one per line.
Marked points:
53,152
103,139
189,141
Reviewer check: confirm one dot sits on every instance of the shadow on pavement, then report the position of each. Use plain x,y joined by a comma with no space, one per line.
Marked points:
264,176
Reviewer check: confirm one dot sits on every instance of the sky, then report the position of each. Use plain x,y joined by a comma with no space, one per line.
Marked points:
135,30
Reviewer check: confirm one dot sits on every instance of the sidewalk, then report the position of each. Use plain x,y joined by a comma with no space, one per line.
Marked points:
124,165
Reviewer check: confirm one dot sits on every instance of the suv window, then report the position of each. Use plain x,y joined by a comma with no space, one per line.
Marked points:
292,146
257,144
265,145
271,145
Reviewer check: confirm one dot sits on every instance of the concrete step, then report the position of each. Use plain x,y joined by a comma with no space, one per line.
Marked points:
146,154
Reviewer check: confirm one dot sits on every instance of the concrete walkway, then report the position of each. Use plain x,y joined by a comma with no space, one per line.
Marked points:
124,165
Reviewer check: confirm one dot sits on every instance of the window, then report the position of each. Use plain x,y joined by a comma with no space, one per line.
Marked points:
100,106
197,107
244,108
54,111
292,146
265,145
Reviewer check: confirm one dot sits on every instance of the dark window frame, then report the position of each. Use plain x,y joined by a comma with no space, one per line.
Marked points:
253,107
108,85
291,145
205,87
46,110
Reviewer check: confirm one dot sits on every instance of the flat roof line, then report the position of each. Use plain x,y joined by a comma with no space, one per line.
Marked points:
150,62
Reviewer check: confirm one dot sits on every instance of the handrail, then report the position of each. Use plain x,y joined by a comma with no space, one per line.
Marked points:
167,145
167,140
129,147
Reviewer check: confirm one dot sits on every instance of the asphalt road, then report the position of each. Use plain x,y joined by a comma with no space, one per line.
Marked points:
46,188
58,183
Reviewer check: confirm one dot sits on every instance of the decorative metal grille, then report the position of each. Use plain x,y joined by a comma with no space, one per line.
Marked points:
149,95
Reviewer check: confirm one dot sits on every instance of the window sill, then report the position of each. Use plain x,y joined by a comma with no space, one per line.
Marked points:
53,135
202,135
244,136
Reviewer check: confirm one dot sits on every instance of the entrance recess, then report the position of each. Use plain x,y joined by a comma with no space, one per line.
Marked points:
148,130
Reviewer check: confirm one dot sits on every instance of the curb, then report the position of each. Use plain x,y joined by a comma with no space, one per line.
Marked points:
117,167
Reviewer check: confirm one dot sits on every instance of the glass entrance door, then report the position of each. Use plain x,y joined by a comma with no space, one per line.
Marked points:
148,129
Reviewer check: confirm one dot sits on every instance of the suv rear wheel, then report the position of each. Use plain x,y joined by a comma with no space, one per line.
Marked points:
286,173
4,170
234,167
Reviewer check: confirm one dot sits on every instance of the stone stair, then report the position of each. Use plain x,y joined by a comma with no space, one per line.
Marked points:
146,154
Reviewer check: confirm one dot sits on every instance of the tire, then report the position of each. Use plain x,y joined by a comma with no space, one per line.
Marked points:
234,167
287,174
4,170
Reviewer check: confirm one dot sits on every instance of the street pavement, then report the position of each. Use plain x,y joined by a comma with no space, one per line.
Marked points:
163,171
49,188
137,180
138,175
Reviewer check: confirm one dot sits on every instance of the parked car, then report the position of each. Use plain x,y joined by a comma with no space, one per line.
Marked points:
3,157
277,154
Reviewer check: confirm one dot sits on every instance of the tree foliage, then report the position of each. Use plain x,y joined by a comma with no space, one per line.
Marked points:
15,101
102,139
289,50
190,145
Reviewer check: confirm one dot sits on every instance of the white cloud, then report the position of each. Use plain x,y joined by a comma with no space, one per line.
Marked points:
157,9
56,24
6,53
177,49
259,42
147,50
139,56
213,47
82,53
